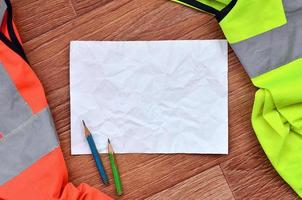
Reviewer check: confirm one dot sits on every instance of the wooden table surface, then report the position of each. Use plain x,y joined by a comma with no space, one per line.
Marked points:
47,27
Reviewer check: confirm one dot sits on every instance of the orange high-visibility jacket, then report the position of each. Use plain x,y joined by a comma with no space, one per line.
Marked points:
32,166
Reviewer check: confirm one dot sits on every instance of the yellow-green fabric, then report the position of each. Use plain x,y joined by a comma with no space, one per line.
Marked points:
249,18
225,2
277,120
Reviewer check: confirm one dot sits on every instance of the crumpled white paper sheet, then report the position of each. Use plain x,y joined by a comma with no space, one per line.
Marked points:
150,96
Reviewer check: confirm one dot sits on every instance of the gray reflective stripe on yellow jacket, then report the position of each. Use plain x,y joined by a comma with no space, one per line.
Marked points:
276,47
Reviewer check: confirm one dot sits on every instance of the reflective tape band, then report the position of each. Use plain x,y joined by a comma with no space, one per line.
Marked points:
3,7
28,143
13,109
274,48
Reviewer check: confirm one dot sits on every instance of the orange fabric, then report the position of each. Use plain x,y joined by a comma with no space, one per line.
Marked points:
47,179
24,79
17,34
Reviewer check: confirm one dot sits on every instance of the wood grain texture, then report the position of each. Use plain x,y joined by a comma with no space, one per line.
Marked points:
34,17
251,176
84,6
207,185
47,29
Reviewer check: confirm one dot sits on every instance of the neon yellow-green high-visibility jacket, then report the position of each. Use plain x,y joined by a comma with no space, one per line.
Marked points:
266,35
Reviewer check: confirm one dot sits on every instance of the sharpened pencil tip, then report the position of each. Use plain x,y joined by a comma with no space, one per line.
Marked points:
86,130
110,150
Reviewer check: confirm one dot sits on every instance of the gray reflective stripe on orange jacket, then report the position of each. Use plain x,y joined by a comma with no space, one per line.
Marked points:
33,139
3,7
26,137
274,48
13,109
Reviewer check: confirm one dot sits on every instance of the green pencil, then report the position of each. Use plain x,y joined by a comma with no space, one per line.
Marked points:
115,172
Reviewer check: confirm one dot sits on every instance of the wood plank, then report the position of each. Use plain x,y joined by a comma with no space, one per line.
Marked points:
83,6
207,185
251,176
34,18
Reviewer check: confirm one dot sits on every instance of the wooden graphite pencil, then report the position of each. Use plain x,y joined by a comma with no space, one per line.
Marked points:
115,171
96,155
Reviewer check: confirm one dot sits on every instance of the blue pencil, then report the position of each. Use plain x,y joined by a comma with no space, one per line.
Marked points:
96,155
